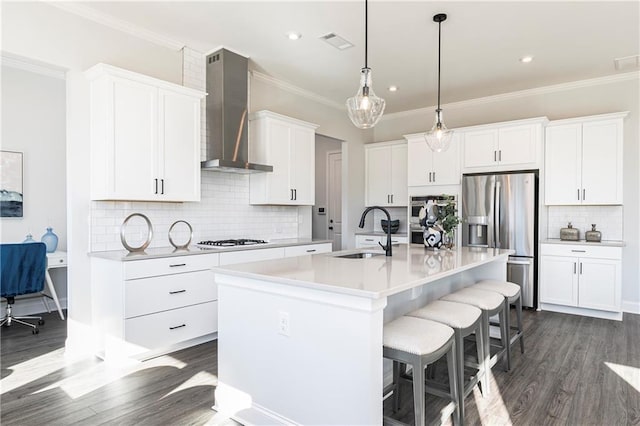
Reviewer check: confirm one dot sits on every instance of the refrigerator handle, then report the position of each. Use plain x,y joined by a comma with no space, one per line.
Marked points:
496,218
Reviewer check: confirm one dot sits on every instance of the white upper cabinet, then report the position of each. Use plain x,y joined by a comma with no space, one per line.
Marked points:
583,160
288,145
145,137
386,174
513,145
425,167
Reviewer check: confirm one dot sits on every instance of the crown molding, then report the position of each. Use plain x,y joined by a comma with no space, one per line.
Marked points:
118,24
19,62
615,78
296,90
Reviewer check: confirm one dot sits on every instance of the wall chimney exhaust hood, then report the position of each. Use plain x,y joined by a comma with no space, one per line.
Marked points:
227,141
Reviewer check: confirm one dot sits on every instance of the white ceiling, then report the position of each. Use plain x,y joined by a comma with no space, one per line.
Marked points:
481,42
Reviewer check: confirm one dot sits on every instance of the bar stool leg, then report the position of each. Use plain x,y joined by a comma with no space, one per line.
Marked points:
455,389
507,323
520,328
459,347
396,386
484,380
486,336
418,391
504,337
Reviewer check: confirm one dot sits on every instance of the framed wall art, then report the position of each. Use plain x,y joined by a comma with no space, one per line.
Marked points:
11,184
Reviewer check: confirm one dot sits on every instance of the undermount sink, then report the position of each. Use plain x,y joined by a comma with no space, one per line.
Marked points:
360,255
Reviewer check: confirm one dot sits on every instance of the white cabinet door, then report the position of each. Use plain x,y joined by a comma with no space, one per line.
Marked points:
599,284
288,145
480,148
179,164
563,167
602,162
303,156
517,144
378,176
559,280
132,141
419,162
446,165
399,190
145,137
425,167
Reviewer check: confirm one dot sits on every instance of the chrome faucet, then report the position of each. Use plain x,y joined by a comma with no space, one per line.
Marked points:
387,248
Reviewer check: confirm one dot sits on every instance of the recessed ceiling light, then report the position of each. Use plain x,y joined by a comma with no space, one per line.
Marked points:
393,88
292,35
526,59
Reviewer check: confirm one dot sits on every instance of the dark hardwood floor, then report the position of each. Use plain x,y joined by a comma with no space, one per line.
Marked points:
575,371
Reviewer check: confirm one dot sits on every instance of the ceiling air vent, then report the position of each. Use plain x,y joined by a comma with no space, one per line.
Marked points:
336,41
627,63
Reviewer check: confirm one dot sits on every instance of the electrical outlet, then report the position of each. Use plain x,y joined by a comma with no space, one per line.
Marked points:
283,323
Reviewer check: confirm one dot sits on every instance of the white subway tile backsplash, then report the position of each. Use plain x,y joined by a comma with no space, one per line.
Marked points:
608,220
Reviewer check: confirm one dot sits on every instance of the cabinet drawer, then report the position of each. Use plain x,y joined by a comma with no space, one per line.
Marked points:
167,328
307,249
233,257
579,250
148,295
169,265
367,240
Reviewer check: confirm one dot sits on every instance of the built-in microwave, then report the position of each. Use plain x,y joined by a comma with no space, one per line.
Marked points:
418,202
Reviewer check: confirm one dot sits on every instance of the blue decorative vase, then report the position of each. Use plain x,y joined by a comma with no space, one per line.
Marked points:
50,240
29,239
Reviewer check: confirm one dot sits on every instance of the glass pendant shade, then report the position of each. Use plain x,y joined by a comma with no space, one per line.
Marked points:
365,108
439,137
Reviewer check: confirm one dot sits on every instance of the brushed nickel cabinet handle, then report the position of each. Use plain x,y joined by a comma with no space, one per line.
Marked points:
177,326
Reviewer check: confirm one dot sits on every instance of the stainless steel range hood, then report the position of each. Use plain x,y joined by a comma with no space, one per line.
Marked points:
227,141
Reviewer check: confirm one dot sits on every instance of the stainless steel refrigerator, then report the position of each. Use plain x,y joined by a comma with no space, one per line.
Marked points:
501,211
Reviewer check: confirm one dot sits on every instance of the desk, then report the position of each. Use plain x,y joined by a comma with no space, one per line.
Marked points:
57,259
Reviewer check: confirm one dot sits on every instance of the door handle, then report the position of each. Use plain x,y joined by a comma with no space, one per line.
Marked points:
391,198
177,291
331,228
156,183
291,196
162,186
434,176
177,326
580,268
584,194
176,265
495,155
311,251
500,155
574,268
578,194
429,176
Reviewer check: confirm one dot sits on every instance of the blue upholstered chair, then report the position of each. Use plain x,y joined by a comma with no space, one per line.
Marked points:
23,270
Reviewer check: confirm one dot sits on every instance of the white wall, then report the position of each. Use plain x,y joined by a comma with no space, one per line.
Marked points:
563,101
40,31
324,145
33,122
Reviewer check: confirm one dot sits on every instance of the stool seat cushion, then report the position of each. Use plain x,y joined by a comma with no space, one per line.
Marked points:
415,335
483,299
505,288
455,315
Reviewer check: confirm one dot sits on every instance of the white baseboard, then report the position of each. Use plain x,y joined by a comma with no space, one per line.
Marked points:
33,305
631,307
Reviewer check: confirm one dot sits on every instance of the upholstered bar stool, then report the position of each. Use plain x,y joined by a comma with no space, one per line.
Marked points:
465,320
490,303
512,296
419,342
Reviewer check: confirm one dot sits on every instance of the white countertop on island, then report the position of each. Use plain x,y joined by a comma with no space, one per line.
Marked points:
376,277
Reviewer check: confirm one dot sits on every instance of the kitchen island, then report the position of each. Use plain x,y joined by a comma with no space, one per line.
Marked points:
300,339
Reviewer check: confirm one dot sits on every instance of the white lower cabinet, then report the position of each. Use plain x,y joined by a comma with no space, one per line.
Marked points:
581,279
363,241
145,307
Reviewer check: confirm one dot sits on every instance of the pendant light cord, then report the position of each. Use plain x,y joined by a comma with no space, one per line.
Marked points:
439,45
366,23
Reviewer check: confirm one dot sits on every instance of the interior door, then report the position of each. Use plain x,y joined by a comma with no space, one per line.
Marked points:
334,197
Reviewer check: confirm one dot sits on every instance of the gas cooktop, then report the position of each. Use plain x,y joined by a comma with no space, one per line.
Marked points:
230,243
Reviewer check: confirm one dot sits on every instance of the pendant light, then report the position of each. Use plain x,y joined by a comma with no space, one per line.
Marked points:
439,137
365,108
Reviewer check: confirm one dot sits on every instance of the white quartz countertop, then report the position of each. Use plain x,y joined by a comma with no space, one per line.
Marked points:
410,266
159,252
609,243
